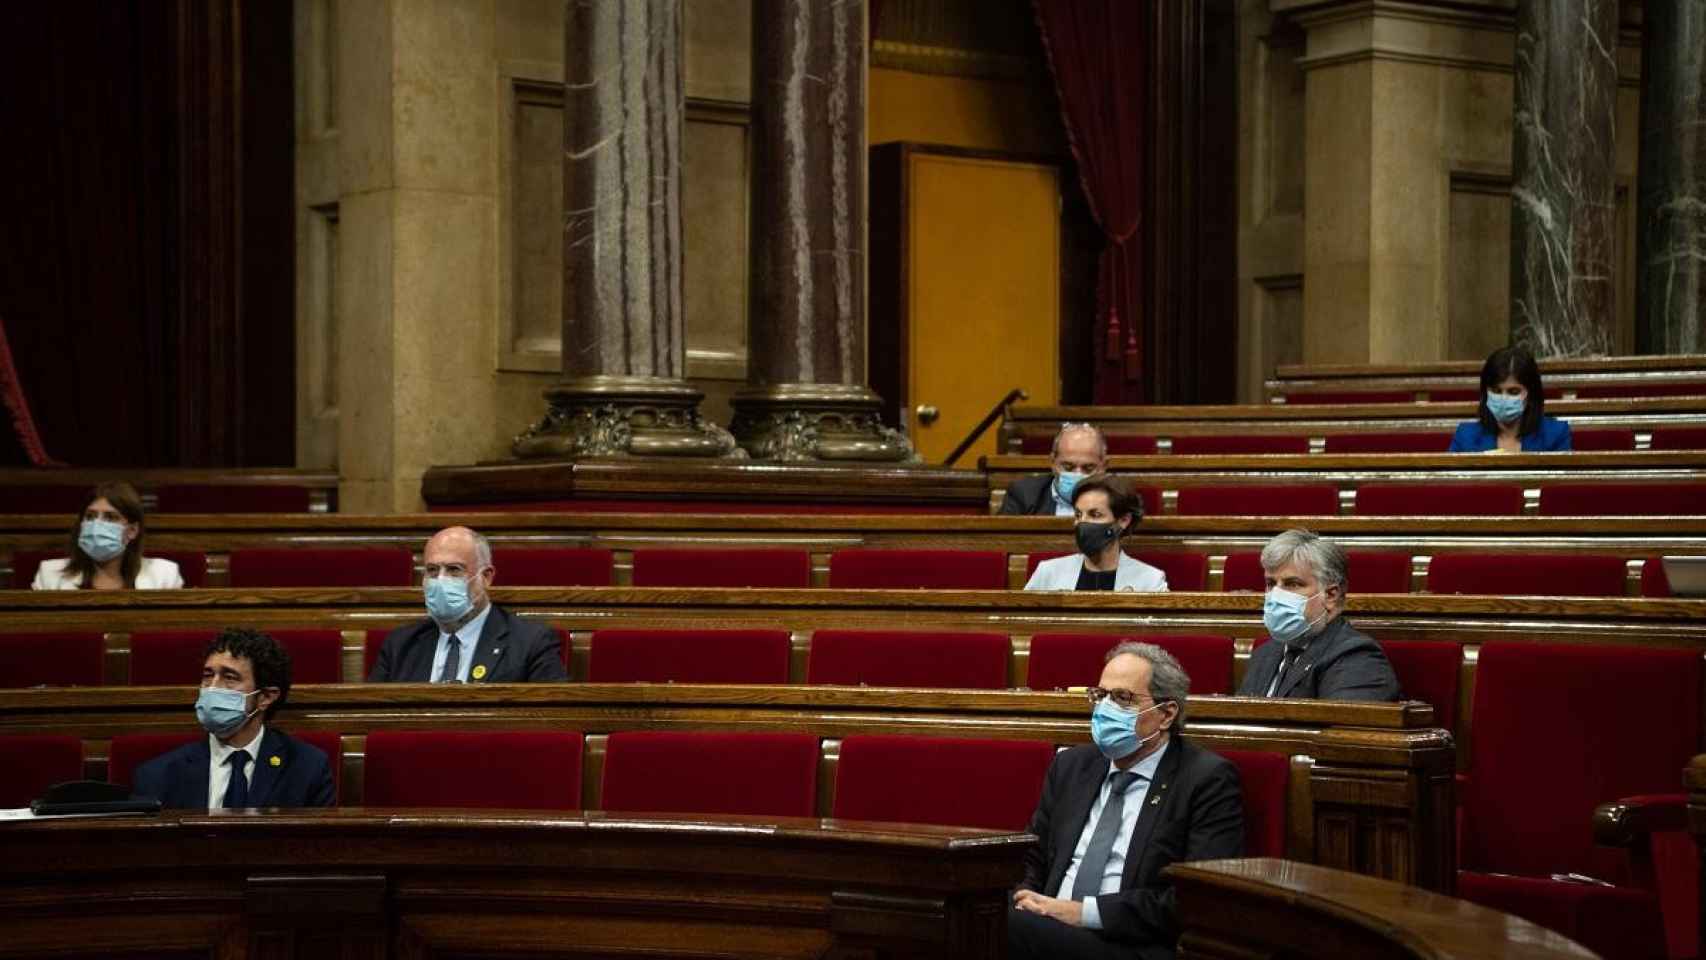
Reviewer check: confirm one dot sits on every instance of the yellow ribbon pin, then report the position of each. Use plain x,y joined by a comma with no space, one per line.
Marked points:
480,672
275,761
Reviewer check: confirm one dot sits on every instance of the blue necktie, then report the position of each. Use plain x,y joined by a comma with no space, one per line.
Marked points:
237,793
1088,882
452,662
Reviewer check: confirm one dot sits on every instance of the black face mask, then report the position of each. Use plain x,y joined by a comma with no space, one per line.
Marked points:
1093,538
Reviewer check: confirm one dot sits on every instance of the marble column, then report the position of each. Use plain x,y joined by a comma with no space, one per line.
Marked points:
1563,190
622,392
1671,234
807,398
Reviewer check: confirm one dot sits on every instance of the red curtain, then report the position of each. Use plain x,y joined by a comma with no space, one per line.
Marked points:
1096,51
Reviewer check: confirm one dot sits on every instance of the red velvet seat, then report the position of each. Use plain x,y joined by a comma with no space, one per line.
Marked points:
1351,397
1439,500
317,567
175,658
895,658
1623,499
1472,396
718,774
129,751
1654,581
231,498
520,769
689,656
1560,729
56,659
1062,660
552,567
1432,442
1586,441
781,569
1369,572
192,565
1127,445
1650,388
1031,445
1233,444
1260,500
994,784
925,569
55,498
1545,575
1264,780
35,761
1679,438
1430,671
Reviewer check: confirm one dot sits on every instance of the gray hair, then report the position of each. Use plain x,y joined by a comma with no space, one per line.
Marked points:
1167,679
1066,428
482,550
1324,558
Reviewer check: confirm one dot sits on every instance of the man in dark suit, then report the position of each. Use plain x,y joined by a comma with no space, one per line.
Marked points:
1316,653
1079,450
241,762
466,638
1114,815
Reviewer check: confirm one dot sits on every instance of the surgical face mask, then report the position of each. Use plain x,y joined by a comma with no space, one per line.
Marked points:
1065,483
223,712
1504,408
1282,614
1093,538
102,540
447,599
1114,729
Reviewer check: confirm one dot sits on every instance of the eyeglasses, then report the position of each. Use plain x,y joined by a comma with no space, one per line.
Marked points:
1124,699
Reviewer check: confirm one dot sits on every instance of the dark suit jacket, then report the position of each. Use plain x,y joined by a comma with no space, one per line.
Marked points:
1339,664
511,649
302,778
1029,496
1193,811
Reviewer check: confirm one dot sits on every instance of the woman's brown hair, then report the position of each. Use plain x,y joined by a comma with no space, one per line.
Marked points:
1121,500
128,503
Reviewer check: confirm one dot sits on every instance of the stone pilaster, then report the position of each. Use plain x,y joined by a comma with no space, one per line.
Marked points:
806,327
1671,232
622,391
1563,190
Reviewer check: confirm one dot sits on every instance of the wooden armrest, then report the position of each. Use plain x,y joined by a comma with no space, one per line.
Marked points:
1631,820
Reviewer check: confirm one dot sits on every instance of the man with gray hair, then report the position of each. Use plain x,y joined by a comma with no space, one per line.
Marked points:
1115,814
1079,450
466,638
1316,653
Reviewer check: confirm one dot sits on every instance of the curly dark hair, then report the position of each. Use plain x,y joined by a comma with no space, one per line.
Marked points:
270,661
1122,501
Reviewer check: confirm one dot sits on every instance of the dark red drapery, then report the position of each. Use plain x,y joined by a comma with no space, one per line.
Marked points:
1096,51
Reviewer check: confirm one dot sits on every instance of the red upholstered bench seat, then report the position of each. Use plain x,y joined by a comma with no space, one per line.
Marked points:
1263,780
1586,441
1061,660
232,498
1548,575
323,567
520,769
1439,500
1650,388
1437,441
895,658
1234,444
918,569
1369,572
1679,438
33,762
52,659
689,656
723,567
175,657
762,774
1260,500
993,784
1430,671
552,567
1350,396
1623,499
1119,445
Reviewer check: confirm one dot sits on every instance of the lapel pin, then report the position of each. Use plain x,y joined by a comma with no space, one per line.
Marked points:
1155,802
275,761
480,671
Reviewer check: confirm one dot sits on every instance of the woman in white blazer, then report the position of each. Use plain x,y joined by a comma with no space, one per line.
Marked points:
1105,510
105,552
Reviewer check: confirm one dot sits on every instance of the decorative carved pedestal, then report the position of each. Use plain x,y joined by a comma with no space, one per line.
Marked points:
612,416
816,422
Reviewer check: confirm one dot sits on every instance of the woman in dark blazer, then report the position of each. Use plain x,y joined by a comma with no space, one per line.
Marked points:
1512,411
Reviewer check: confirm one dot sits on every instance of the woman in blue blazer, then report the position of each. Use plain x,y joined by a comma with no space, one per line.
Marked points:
1513,410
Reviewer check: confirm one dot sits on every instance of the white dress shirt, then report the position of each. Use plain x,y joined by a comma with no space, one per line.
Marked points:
1135,793
219,771
467,640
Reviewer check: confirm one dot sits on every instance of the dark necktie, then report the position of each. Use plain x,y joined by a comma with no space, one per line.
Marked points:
1088,883
1286,663
237,791
452,662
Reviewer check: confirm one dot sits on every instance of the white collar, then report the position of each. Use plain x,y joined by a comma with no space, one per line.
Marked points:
222,753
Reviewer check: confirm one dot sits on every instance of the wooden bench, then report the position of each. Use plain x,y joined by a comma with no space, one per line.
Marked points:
1453,377
37,490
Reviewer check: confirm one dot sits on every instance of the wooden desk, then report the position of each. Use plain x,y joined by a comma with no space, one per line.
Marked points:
1238,909
423,883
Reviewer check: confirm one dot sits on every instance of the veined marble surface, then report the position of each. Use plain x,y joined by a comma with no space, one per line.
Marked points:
1671,245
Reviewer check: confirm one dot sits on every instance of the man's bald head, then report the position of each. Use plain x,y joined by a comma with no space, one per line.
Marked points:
473,549
462,554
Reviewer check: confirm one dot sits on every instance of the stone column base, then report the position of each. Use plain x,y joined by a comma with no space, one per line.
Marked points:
816,422
608,416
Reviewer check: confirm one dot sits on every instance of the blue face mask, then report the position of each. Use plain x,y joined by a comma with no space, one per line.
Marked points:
1114,729
1282,614
447,599
102,540
1065,483
1506,409
223,712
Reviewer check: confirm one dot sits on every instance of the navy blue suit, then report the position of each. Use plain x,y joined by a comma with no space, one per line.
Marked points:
1553,436
301,778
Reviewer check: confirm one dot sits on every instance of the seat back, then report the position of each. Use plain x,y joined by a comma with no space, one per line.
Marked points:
53,659
1434,500
1234,444
552,567
1264,780
909,569
897,658
723,567
322,567
1679,438
1550,575
1623,499
1437,441
1260,500
1586,441
175,657
1369,572
518,769
35,761
231,498
1185,569
1062,660
765,774
1430,671
689,656
1561,728
994,784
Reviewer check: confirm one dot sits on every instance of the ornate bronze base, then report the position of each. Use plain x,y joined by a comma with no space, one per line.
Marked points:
625,417
816,422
